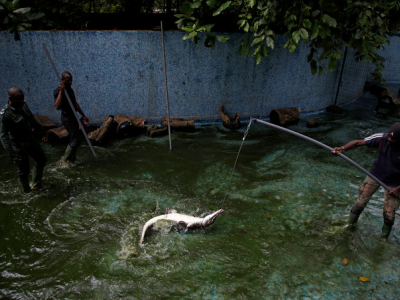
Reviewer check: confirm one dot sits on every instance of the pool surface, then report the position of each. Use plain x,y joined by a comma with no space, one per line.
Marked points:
282,235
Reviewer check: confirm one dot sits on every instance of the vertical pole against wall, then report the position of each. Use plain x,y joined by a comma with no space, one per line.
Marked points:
166,88
341,74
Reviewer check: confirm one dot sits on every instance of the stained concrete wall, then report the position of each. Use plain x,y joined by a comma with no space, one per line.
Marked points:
122,72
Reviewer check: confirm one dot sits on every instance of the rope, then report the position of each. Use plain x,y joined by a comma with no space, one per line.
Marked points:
233,169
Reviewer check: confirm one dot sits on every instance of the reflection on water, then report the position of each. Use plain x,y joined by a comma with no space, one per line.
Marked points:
282,234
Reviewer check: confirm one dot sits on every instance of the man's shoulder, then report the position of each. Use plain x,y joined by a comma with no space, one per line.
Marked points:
375,136
5,110
374,140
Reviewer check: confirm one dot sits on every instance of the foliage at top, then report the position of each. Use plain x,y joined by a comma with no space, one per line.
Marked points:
324,25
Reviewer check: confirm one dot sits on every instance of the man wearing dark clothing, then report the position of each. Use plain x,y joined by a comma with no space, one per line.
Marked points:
68,118
16,124
386,168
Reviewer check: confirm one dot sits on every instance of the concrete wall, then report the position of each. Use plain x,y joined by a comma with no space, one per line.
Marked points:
122,72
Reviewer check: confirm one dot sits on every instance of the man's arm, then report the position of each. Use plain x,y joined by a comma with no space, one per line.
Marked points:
58,102
350,145
79,110
5,139
35,124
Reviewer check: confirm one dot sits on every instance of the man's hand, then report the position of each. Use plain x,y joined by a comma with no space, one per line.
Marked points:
394,191
338,150
86,120
61,86
16,160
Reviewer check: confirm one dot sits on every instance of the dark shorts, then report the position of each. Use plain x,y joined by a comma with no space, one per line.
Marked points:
72,126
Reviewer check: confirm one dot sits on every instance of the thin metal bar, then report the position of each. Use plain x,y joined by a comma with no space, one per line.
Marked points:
166,88
341,74
69,101
326,147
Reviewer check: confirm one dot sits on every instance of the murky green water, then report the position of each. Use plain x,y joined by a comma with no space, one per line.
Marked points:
281,236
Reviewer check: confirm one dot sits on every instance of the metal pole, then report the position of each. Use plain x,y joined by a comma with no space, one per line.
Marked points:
166,87
326,147
341,74
69,101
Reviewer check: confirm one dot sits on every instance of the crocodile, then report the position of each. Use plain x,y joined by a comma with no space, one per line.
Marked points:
186,220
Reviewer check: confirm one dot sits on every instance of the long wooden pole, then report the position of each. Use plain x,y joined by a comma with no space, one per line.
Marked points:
69,101
326,147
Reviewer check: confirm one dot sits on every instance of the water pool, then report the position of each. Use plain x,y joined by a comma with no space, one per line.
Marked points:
282,235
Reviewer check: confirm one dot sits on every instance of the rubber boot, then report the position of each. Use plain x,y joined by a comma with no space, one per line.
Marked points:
386,229
37,174
67,155
353,219
73,154
24,182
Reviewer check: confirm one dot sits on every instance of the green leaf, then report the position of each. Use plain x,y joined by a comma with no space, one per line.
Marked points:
359,34
210,41
221,8
241,23
257,40
270,42
189,35
247,49
258,57
252,2
212,3
181,16
195,4
264,51
223,38
362,18
329,20
37,16
246,27
206,28
315,13
307,23
315,30
22,10
314,67
320,70
188,29
292,47
187,9
241,49
296,36
303,34
9,5
332,64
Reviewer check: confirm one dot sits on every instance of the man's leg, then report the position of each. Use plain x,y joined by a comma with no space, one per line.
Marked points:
38,155
390,205
75,140
365,192
23,173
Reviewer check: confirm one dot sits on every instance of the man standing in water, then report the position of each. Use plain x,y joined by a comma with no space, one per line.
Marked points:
386,168
16,123
68,118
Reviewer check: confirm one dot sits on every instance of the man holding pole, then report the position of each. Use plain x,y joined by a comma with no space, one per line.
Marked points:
68,118
386,168
16,124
